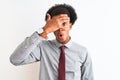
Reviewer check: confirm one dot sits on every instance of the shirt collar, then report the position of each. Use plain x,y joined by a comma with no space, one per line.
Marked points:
68,44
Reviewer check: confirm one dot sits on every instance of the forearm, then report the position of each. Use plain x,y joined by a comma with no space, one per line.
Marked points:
25,48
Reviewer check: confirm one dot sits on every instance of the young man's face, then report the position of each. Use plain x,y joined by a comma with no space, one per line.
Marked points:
62,34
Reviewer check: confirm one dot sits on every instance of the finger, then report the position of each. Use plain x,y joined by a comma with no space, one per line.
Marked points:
64,20
48,17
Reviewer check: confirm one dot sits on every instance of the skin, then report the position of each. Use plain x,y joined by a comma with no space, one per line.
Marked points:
60,25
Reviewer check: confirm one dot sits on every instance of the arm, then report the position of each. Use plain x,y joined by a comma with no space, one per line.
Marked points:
28,51
87,71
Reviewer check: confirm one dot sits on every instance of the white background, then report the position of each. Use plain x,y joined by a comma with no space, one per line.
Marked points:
97,28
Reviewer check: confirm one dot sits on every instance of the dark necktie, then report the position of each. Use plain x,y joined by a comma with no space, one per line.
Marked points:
61,69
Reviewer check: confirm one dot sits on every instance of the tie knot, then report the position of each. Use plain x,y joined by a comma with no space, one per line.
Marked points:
62,47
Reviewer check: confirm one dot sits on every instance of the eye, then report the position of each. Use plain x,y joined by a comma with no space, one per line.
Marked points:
64,23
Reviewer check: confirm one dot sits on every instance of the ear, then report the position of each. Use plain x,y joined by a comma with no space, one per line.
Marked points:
48,17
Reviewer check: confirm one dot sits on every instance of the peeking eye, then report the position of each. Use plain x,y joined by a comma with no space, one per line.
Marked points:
64,23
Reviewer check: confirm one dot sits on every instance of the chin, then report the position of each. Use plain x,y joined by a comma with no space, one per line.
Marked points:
62,41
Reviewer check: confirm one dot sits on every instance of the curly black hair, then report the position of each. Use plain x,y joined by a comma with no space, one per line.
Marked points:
62,9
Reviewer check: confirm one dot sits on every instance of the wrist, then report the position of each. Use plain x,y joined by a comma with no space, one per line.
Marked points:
42,33
45,30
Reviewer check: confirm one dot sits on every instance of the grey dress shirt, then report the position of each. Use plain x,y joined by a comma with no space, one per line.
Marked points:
35,48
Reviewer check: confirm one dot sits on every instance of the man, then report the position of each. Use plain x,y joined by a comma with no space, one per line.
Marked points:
76,63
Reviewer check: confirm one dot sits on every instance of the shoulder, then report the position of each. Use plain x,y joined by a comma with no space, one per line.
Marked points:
79,47
47,43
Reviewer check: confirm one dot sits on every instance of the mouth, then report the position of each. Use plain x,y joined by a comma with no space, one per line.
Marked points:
60,36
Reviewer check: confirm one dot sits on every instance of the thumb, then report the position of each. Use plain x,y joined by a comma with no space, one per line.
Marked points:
48,17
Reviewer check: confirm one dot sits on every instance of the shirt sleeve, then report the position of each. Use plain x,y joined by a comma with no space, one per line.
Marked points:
86,69
28,51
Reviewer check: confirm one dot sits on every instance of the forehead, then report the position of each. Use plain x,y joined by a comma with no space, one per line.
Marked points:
62,15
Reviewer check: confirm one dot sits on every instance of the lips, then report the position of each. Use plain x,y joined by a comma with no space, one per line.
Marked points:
60,35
